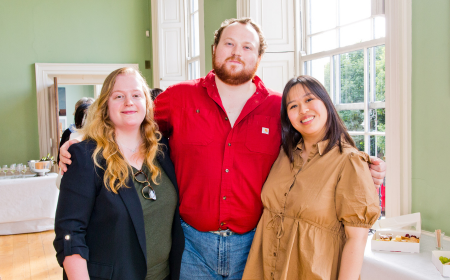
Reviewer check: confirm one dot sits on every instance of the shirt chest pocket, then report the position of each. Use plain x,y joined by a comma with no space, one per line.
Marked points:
263,135
196,128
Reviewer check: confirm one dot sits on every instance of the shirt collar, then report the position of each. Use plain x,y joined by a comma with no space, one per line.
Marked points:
321,146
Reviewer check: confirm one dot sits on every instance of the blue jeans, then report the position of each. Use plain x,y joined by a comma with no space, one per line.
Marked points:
210,256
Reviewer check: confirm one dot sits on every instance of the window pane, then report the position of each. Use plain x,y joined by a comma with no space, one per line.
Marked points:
378,120
353,10
379,73
376,75
194,70
353,119
378,146
323,42
322,15
380,27
195,45
320,69
355,33
359,141
351,76
194,5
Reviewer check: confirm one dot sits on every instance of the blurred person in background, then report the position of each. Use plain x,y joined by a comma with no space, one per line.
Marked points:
85,102
156,92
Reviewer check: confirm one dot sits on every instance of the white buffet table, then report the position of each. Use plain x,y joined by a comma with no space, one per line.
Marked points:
27,204
401,266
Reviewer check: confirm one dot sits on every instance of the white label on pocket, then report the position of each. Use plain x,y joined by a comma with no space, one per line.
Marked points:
265,130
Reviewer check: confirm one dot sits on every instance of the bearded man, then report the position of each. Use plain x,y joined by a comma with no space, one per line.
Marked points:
224,135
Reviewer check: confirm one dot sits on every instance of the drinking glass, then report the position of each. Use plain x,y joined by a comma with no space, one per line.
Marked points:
24,170
19,168
5,169
12,169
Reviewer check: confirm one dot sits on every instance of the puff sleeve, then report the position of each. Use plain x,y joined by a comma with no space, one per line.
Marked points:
357,202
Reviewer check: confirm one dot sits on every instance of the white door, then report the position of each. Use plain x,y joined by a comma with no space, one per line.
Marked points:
276,18
276,69
170,50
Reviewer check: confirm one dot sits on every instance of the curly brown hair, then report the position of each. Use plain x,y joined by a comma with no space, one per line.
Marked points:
228,22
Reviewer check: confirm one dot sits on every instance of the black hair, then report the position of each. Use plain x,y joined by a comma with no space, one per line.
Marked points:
80,113
154,92
335,127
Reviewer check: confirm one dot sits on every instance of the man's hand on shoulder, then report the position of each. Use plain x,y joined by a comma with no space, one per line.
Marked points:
378,171
64,155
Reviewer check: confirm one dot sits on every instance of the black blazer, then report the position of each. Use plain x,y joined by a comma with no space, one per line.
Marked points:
107,229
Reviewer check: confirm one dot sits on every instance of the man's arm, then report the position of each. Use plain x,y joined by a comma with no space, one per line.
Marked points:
64,155
378,171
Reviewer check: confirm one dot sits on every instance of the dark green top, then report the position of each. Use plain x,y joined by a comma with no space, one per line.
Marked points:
158,217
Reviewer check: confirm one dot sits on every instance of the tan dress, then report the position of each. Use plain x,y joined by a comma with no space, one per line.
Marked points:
301,232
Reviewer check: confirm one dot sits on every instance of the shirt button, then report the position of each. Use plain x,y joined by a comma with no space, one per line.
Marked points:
221,224
229,144
67,237
224,197
198,111
226,170
226,118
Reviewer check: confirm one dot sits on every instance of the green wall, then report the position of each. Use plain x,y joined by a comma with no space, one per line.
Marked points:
431,113
51,31
73,94
216,11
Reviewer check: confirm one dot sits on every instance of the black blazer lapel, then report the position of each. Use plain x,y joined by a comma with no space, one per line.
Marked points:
131,200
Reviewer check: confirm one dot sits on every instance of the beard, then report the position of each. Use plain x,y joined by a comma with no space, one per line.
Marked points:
231,77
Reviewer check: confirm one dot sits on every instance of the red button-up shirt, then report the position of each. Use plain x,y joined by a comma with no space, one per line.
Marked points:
220,169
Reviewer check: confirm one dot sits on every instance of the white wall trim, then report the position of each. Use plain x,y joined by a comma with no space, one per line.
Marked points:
243,8
429,233
201,22
398,107
155,44
67,73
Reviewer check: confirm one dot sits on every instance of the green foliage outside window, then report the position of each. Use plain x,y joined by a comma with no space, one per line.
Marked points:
352,91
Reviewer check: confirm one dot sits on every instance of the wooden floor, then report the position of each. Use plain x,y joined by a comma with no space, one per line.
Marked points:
28,256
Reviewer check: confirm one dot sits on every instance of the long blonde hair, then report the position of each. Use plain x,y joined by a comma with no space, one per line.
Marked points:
99,128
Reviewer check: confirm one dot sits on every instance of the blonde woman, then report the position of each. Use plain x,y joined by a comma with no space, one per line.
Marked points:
117,215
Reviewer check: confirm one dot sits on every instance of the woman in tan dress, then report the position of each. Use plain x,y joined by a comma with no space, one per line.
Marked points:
319,200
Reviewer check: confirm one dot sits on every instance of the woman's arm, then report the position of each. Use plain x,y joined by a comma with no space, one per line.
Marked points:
75,205
76,267
353,254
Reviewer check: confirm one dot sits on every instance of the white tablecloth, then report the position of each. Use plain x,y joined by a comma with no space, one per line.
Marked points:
401,266
27,204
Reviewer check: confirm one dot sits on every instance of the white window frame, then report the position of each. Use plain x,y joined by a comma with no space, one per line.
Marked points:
189,36
367,104
397,94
